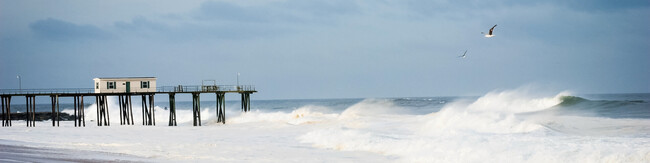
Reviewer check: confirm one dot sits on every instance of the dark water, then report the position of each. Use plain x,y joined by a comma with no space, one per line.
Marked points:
610,106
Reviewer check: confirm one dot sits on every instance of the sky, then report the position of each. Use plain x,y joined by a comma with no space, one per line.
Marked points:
305,49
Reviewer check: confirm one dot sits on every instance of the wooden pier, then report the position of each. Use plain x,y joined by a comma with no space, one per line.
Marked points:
124,102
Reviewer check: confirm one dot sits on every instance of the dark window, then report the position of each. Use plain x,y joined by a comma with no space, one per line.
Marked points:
96,85
110,85
144,84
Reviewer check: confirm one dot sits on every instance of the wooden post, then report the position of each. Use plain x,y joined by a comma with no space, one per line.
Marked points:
4,116
245,102
6,108
121,104
198,102
31,108
126,110
108,116
144,105
55,110
82,111
97,102
172,110
102,111
33,111
75,110
79,113
152,108
248,102
27,111
148,114
196,108
58,111
221,108
131,110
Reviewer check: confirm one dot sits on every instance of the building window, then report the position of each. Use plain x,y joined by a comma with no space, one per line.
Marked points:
110,85
96,85
144,84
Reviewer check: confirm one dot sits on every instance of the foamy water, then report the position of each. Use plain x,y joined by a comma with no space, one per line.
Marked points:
504,126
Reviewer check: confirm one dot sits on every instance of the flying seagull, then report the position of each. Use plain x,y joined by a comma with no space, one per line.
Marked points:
464,55
490,33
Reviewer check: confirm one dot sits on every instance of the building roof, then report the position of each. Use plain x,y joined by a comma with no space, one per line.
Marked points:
124,77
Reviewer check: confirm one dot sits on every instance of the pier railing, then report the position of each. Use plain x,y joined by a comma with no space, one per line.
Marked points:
162,89
205,88
46,91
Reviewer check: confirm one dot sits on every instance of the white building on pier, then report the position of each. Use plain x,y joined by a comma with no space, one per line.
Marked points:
125,85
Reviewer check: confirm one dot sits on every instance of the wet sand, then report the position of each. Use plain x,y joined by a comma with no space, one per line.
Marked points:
17,153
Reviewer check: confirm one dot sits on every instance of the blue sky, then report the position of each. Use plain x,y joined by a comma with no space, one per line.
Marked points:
293,49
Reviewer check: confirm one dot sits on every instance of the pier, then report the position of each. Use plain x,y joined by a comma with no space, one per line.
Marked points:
124,102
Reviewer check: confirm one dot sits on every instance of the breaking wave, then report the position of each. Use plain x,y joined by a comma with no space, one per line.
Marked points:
508,125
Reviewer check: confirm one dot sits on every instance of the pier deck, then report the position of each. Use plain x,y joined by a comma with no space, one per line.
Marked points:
159,90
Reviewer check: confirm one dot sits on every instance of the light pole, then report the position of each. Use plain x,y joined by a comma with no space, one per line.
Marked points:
237,81
20,83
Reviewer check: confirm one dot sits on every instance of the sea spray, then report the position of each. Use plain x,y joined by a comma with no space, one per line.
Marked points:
496,127
303,115
496,112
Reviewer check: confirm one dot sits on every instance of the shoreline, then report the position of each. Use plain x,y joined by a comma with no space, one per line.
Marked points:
13,151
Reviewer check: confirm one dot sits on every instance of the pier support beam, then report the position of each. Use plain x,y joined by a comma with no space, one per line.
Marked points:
31,108
55,110
102,111
79,114
126,110
196,108
148,113
245,102
172,110
221,108
6,110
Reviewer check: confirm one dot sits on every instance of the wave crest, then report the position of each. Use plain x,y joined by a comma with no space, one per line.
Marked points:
495,112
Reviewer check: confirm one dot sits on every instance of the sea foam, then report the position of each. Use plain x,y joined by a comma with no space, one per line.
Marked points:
494,128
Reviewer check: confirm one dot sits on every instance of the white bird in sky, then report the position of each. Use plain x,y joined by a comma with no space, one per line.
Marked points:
490,33
464,55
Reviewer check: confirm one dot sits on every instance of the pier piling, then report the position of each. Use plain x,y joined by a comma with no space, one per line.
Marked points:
6,110
102,111
55,110
148,114
196,109
126,110
221,108
245,102
121,105
79,113
172,109
31,109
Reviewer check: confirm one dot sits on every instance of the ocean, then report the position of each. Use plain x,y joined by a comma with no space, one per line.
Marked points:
501,126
